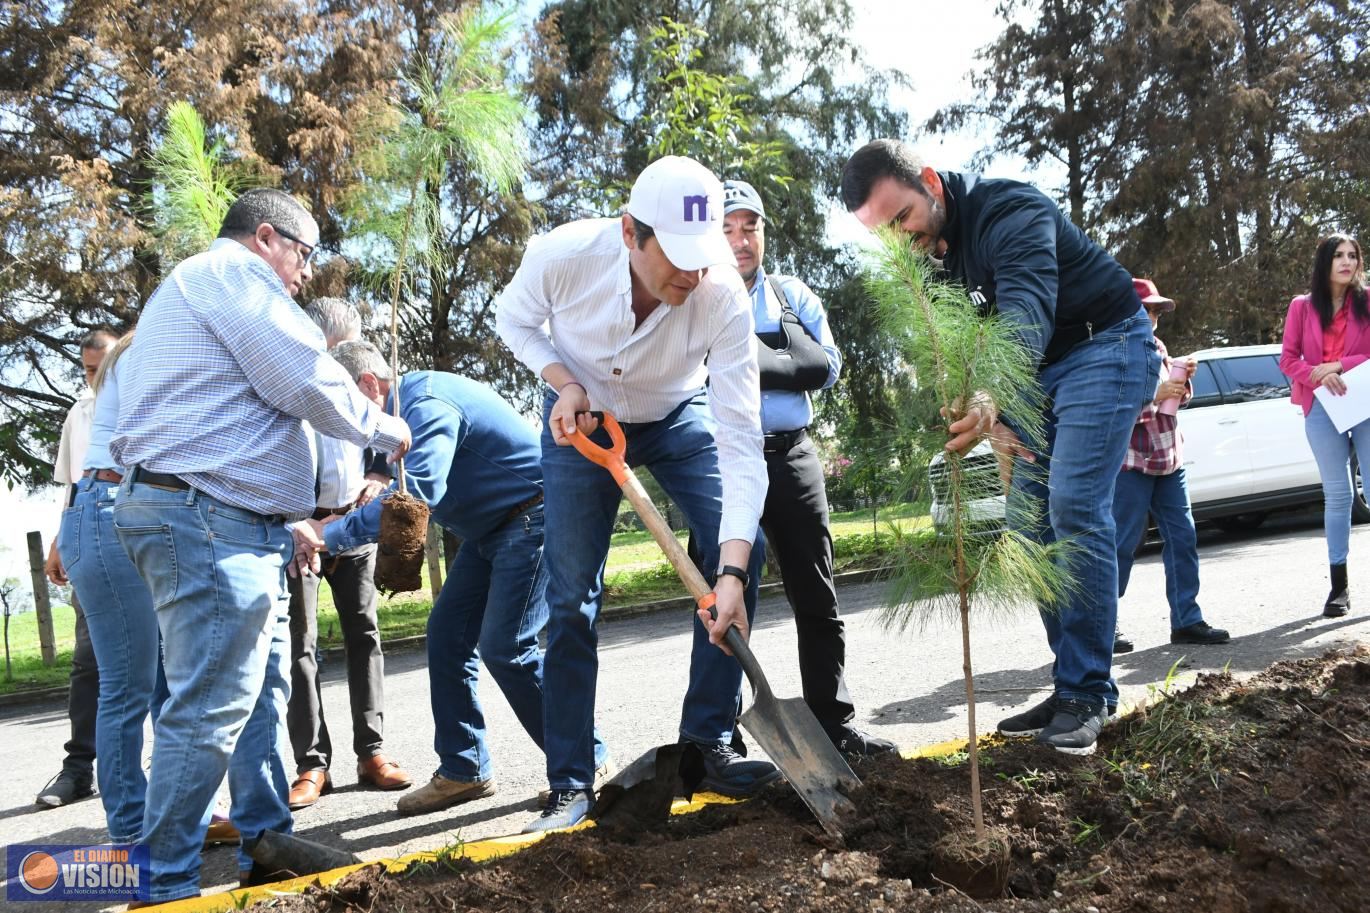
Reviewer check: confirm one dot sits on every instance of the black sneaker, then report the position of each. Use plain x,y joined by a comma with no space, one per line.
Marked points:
1121,642
1075,727
1029,722
65,788
854,743
729,774
1199,633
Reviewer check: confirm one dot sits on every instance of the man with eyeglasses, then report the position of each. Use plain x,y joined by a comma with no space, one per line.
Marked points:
217,463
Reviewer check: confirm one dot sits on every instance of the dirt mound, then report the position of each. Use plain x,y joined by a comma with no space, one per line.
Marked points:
399,549
1226,798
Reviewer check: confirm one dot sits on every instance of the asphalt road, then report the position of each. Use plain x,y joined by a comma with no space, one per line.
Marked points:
1266,587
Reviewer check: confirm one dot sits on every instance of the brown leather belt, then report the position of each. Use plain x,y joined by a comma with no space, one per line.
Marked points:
103,475
522,507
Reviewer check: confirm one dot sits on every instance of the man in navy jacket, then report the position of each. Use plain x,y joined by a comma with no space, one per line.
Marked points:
477,464
1077,312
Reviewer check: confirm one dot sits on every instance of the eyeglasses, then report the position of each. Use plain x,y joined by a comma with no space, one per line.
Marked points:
311,249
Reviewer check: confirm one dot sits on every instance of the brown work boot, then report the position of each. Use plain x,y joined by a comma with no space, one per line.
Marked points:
221,831
382,773
443,793
308,787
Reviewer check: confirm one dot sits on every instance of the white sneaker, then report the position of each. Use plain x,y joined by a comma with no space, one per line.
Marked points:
565,808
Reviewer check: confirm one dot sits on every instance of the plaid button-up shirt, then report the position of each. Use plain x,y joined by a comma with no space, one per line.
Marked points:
1156,445
215,384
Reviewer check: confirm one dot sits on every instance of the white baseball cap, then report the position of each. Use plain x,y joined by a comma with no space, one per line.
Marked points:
683,202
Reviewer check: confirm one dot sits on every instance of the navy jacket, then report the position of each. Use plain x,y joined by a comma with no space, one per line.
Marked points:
1019,255
473,459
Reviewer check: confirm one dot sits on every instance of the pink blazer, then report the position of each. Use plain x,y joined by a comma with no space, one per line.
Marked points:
1303,347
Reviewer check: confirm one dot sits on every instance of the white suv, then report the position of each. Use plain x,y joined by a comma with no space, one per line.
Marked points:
1245,453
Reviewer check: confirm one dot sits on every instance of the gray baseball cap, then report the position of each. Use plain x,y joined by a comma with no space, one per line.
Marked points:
741,195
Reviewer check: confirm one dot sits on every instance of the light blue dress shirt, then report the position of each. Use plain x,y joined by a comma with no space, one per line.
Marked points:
789,410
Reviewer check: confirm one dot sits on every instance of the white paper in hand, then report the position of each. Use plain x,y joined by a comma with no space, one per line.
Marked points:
1353,407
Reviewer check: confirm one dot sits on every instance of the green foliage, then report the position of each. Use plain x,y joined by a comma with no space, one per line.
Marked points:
700,114
961,360
454,110
959,356
192,187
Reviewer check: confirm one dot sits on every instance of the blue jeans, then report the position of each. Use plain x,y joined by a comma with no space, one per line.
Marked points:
582,503
1094,394
1332,451
123,633
217,578
492,607
1167,499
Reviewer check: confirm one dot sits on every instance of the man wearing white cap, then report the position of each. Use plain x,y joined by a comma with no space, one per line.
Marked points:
620,315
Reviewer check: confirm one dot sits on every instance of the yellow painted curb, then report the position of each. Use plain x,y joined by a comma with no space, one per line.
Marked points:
476,851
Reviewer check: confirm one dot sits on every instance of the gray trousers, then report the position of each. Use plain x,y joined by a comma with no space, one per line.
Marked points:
349,577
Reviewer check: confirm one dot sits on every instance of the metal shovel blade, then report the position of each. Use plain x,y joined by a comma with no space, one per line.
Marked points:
796,743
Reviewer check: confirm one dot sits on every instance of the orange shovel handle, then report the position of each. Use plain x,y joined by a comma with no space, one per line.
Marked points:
611,458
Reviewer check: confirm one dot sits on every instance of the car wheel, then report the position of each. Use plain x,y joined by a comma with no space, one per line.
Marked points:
1360,509
1242,523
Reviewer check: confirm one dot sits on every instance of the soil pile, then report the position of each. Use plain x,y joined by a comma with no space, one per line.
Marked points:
1226,798
399,548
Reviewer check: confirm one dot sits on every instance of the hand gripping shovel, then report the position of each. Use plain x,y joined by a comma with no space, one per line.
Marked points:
786,729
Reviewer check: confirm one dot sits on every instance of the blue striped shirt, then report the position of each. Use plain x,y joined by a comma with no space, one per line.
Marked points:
215,384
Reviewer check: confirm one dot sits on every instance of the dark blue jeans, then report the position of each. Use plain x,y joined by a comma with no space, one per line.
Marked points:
492,607
581,504
1094,394
1167,499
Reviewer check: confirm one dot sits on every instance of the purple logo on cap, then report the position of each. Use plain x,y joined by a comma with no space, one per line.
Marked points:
699,203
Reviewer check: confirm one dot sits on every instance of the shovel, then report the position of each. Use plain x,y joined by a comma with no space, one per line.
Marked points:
786,729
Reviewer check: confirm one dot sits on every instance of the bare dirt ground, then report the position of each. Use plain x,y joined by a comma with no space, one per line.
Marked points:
1227,797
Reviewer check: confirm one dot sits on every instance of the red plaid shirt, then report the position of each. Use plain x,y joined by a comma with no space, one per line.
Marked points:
1155,448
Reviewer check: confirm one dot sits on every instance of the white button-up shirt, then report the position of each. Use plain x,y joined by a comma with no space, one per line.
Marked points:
571,302
71,450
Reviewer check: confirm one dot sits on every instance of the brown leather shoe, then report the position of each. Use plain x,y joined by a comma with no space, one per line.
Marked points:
221,831
382,773
308,787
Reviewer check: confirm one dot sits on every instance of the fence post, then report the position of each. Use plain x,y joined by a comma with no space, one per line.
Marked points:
42,608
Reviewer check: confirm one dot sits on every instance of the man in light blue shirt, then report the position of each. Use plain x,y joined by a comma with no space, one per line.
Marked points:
212,393
797,357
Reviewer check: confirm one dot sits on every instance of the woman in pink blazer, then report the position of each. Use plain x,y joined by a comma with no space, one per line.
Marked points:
1327,333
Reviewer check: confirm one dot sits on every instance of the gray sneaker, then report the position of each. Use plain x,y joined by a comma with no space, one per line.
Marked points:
1075,727
565,808
65,788
603,774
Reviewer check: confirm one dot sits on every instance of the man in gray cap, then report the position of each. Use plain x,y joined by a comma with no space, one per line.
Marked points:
797,357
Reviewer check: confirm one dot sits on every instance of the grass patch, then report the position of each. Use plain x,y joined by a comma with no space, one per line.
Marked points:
636,572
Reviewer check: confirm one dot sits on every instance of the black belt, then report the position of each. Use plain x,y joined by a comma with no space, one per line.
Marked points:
143,476
521,508
784,440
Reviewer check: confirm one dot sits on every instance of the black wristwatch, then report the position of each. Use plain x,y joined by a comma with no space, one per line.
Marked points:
733,571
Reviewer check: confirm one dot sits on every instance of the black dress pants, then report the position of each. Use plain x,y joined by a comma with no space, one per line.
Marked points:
795,522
